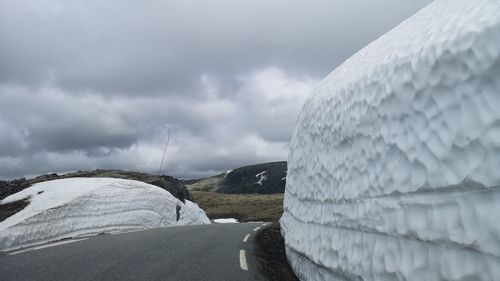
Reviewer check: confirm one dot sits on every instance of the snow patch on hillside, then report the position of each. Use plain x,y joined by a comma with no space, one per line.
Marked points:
393,172
87,206
261,177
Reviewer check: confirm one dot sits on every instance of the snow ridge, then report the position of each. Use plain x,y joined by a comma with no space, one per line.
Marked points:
76,207
393,165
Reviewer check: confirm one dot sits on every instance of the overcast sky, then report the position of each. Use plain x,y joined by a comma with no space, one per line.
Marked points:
92,84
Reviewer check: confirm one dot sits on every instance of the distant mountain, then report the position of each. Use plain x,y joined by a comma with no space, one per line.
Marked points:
266,178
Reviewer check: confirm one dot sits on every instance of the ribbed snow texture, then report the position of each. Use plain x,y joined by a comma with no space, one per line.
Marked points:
76,207
394,167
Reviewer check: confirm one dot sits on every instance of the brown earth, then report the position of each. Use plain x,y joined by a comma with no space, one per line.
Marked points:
244,207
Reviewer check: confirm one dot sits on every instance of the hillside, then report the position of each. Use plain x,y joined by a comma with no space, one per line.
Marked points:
170,184
265,178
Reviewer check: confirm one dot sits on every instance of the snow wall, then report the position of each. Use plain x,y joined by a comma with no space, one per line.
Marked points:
77,207
394,165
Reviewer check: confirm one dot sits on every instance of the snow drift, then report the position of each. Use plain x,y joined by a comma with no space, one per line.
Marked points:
87,206
394,167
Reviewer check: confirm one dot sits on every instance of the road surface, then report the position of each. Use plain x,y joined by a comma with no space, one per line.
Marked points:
206,252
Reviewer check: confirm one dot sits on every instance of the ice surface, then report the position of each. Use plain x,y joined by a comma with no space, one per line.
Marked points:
228,220
394,165
87,206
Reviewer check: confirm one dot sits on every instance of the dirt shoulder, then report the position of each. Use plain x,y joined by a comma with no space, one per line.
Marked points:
271,256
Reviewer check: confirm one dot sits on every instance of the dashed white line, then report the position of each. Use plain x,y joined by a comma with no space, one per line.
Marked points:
243,260
47,246
264,224
257,228
246,238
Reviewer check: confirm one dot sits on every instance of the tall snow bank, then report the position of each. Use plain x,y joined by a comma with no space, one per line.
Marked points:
394,168
87,206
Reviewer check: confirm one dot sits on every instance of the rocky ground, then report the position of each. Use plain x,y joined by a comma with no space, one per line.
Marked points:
170,184
7,210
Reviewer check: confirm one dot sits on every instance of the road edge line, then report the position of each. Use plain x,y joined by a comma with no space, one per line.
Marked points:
243,260
47,246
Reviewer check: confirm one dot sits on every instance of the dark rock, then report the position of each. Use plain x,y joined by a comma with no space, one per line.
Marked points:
10,187
43,178
7,210
172,185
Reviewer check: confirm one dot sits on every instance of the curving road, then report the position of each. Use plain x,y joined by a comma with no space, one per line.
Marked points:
205,252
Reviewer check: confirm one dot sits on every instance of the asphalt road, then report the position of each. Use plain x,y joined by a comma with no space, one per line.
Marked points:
205,252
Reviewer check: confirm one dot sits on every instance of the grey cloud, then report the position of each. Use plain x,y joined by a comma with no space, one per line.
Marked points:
50,120
92,84
78,138
162,47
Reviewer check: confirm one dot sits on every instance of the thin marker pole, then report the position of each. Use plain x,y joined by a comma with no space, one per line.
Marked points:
165,151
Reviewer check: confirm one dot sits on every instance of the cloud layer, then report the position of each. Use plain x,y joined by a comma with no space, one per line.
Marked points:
92,84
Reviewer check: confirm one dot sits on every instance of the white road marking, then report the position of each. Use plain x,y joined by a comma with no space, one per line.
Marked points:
246,238
243,260
123,232
47,246
265,224
257,228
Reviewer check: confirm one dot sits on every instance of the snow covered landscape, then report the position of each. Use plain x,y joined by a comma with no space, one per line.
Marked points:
393,169
243,140
76,207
